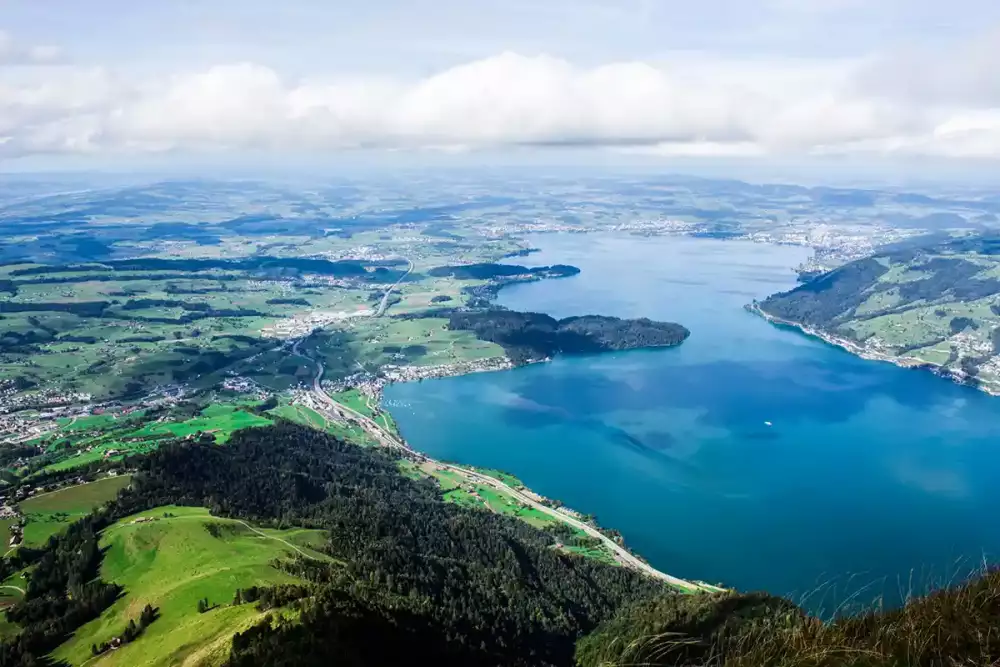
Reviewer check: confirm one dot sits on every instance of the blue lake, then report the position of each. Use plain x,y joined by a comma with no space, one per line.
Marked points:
872,479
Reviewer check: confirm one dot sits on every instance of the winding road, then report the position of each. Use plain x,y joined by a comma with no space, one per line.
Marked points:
389,440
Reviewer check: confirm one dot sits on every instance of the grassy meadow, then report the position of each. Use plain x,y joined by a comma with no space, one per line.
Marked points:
170,559
50,513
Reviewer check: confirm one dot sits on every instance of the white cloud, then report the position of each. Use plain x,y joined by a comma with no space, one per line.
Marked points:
698,149
13,53
684,106
963,75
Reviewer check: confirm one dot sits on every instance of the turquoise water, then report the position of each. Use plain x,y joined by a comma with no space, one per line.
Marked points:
872,480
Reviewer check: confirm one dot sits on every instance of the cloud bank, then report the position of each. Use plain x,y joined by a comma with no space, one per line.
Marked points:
905,103
13,53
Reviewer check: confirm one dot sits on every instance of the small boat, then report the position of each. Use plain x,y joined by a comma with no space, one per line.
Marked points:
768,424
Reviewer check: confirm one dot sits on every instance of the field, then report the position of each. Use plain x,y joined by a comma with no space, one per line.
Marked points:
458,489
936,305
201,302
596,553
219,420
171,561
455,486
87,439
86,423
5,525
355,400
504,477
372,343
49,513
504,504
303,414
11,592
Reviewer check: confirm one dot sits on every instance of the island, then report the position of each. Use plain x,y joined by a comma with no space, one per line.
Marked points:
527,337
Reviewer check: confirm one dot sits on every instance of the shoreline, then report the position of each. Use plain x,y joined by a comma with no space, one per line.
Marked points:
990,387
390,375
620,551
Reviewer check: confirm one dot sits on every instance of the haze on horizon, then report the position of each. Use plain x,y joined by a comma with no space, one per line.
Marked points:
757,82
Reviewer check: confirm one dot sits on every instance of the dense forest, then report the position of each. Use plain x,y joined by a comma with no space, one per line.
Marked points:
63,592
823,301
292,265
831,299
529,337
491,271
421,581
422,576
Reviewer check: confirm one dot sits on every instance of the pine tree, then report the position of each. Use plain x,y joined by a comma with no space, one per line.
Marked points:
148,616
131,631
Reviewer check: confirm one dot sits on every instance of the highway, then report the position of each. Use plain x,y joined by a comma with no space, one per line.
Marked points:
389,440
384,303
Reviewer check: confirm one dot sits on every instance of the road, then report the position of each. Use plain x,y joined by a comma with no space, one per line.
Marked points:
389,440
385,298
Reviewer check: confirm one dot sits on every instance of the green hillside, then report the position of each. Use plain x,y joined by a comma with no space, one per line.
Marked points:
405,577
170,557
937,306
49,513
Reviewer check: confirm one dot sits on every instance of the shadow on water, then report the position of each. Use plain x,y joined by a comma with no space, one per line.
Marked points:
730,394
868,473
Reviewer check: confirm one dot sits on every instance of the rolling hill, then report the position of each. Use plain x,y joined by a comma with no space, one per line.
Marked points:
171,557
935,306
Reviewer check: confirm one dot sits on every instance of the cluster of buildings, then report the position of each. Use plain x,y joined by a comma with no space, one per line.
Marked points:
28,425
372,385
12,400
370,253
244,385
503,228
834,244
655,226
305,322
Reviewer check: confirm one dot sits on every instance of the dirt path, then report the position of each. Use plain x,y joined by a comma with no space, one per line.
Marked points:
272,537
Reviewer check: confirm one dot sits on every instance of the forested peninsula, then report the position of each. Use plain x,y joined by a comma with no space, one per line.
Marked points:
491,271
528,337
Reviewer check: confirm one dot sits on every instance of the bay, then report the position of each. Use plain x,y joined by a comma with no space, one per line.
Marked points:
870,482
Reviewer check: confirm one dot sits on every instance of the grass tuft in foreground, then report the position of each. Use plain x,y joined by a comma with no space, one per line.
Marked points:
951,627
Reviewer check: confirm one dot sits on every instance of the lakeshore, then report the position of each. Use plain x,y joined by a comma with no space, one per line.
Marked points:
518,493
991,387
670,446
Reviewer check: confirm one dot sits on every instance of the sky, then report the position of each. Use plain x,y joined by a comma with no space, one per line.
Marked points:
764,81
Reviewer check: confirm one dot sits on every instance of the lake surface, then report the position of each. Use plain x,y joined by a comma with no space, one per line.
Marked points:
872,480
